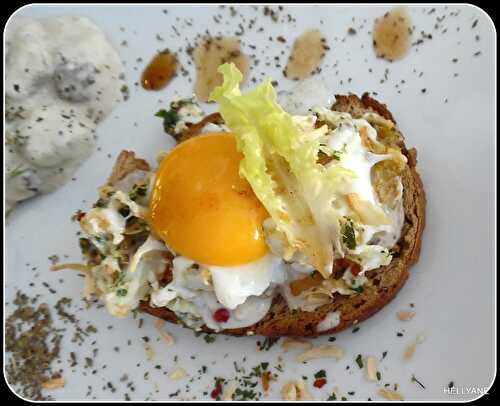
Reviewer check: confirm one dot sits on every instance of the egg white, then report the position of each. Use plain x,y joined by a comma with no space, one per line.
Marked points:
233,285
246,291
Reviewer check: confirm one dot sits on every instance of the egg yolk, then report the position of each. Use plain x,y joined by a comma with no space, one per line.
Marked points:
202,208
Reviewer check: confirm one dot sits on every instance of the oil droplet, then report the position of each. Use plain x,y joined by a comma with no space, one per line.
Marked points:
306,56
209,55
391,35
160,71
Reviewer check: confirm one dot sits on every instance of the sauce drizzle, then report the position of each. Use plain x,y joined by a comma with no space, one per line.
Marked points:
160,71
306,56
209,55
391,35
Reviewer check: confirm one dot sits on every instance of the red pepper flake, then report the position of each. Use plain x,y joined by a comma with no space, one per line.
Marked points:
221,315
78,215
319,383
266,377
355,269
344,263
217,391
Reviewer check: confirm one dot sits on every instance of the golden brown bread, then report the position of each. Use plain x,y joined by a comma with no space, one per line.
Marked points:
385,281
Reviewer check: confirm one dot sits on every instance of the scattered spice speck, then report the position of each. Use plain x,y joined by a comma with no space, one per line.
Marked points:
414,379
33,346
359,361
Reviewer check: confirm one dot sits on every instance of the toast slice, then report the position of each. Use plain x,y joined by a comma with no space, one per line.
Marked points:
385,281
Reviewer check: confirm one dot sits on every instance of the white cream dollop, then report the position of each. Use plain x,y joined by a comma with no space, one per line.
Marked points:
62,77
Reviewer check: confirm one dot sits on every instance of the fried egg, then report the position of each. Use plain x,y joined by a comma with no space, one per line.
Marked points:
229,259
207,214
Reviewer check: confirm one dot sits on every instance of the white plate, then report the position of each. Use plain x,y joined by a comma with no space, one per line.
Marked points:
452,286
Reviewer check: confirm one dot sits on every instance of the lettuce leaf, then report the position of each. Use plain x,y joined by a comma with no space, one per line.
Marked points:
280,163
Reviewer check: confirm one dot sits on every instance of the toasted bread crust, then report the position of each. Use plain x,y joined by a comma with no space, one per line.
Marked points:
356,107
385,282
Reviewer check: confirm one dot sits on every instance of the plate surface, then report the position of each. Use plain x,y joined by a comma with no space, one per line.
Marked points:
452,125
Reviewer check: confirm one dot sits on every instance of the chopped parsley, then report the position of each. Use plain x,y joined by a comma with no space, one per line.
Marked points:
170,119
267,343
209,338
320,374
138,191
336,155
100,203
358,289
101,239
256,371
120,279
348,234
121,292
244,394
333,396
